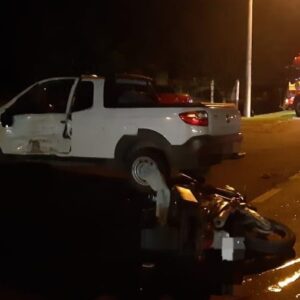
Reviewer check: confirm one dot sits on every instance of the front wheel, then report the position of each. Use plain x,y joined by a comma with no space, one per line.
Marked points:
278,240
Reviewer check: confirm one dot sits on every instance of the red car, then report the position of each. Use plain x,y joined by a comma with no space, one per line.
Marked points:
289,103
167,95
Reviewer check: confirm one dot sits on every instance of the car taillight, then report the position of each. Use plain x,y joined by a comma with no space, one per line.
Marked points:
195,118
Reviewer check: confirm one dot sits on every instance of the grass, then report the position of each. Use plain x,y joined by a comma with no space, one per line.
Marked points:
277,116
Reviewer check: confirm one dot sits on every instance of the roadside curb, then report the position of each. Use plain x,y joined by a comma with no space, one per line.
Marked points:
274,115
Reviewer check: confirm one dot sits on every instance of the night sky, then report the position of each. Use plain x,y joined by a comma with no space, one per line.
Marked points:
186,38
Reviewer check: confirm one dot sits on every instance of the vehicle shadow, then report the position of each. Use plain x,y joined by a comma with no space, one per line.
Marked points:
66,236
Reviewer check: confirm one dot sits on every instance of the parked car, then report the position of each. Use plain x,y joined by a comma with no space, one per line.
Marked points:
167,95
288,103
118,119
291,93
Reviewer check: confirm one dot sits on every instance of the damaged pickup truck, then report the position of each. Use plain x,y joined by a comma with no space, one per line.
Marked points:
116,118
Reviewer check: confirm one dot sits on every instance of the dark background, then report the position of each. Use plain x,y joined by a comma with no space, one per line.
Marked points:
191,38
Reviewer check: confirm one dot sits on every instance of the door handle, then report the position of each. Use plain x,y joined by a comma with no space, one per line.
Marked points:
63,122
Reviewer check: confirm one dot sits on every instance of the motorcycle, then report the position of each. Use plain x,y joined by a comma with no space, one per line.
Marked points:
202,212
180,253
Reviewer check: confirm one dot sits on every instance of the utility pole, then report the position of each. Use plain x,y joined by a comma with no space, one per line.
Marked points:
237,93
212,91
247,106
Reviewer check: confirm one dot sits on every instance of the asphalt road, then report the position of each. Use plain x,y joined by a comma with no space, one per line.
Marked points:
272,147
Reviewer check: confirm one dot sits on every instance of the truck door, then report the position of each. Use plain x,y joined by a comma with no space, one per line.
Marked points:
84,121
38,122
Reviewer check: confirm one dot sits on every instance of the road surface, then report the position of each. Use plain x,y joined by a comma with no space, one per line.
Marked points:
272,147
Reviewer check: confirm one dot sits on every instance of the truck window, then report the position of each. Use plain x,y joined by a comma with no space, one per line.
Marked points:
84,96
129,93
55,96
47,97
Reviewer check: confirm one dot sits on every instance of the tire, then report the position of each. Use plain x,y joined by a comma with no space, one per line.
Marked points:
146,156
261,242
297,106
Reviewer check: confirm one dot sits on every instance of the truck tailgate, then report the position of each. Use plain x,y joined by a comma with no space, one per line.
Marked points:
223,120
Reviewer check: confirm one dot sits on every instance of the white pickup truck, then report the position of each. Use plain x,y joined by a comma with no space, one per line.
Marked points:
116,118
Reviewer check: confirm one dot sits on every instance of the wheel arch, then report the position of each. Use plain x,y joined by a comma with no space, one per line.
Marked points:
146,138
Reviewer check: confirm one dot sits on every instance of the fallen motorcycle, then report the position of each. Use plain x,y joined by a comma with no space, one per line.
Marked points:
225,210
202,221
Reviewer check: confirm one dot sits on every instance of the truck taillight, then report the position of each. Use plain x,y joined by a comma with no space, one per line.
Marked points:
195,118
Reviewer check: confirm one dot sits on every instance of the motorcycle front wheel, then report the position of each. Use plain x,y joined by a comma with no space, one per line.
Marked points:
278,240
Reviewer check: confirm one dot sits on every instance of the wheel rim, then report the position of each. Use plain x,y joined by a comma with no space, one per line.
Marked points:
137,166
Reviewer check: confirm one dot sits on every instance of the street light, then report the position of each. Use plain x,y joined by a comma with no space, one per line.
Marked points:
247,106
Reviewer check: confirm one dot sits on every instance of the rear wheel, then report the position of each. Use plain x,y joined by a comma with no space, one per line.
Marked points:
141,158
